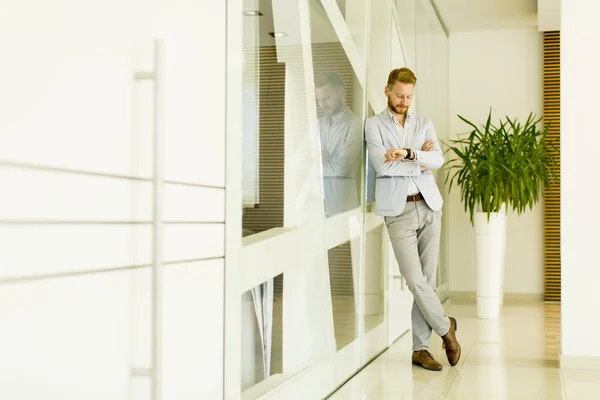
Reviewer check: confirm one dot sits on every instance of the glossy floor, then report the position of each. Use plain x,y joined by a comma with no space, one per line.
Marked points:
515,357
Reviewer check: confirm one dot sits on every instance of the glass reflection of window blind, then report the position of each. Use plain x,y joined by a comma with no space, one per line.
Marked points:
267,211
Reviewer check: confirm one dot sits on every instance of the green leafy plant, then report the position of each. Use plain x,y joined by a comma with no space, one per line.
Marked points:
509,164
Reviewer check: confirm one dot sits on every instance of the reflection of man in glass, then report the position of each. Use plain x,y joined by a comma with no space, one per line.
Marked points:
340,133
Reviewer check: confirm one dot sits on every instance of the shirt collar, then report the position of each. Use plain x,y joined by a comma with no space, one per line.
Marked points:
338,118
409,115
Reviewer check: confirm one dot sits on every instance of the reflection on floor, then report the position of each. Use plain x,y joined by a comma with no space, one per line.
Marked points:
514,358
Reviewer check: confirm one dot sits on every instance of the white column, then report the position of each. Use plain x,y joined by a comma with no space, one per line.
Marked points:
580,221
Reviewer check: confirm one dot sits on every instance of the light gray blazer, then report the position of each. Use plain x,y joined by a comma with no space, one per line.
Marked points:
391,185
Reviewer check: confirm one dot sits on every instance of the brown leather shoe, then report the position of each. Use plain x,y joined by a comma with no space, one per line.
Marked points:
425,360
451,345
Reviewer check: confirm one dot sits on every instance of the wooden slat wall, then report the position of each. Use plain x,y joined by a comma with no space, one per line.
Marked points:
552,196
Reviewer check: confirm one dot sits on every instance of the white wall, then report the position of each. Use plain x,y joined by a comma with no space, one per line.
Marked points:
75,296
580,221
502,70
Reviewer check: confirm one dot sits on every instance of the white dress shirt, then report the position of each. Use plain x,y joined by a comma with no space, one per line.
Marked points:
403,133
341,138
342,142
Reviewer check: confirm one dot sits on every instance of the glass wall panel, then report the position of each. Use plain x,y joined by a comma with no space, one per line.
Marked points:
263,121
356,17
374,289
283,331
424,69
432,102
374,284
302,169
339,99
370,173
406,22
439,45
338,70
309,186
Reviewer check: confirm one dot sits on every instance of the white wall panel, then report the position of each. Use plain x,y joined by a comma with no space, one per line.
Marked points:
142,114
72,103
140,318
194,128
45,195
186,242
141,389
30,250
195,149
193,333
77,111
579,220
69,95
186,203
65,339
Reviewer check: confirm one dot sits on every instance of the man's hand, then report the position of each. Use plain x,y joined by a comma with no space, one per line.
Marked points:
428,145
395,154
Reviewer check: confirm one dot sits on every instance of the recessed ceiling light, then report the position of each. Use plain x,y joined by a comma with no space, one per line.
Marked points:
252,13
277,34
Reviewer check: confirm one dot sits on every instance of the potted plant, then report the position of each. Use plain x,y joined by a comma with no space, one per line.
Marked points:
498,167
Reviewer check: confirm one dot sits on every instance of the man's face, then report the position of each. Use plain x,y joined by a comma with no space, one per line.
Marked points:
400,97
330,99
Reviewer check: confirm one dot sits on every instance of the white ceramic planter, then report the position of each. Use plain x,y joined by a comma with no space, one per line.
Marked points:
503,260
489,261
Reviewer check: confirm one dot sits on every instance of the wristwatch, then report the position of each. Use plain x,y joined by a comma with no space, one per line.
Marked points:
409,154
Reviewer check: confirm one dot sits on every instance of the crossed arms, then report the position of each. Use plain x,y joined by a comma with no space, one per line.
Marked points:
391,162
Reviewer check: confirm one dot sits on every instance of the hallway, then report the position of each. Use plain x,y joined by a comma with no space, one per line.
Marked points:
514,358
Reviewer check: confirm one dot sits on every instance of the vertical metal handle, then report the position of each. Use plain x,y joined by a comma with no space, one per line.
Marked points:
157,225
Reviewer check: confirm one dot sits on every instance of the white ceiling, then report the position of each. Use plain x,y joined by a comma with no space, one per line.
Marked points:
483,15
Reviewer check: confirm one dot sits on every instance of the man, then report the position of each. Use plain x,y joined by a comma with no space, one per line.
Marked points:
340,134
403,148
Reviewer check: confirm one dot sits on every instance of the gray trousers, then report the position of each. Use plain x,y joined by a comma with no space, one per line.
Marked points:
415,237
